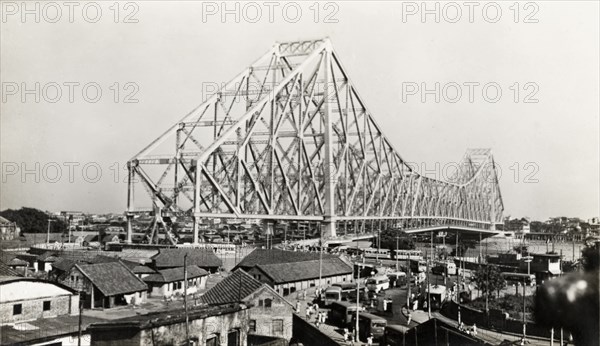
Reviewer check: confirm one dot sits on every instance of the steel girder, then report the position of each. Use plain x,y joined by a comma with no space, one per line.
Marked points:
291,138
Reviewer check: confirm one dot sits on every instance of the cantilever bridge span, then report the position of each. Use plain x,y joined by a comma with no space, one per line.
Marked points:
290,138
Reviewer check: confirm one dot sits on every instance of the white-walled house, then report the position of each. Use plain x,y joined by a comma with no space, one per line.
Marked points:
26,299
167,282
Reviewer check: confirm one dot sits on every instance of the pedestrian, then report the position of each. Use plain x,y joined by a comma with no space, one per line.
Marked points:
316,307
346,335
297,307
308,308
474,329
304,295
370,340
409,318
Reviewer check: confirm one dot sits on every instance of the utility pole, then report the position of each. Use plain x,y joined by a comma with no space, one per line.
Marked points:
458,281
185,285
48,233
524,321
357,287
320,256
396,255
428,291
408,294
79,323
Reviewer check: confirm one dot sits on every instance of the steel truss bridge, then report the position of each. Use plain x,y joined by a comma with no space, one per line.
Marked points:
290,138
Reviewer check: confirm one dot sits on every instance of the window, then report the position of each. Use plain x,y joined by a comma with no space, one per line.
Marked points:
252,326
233,338
268,303
46,305
17,309
213,340
277,326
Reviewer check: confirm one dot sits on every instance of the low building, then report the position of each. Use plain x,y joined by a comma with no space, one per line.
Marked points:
287,278
45,261
91,240
270,314
544,266
7,271
106,285
210,326
167,282
173,258
26,299
14,262
8,230
272,256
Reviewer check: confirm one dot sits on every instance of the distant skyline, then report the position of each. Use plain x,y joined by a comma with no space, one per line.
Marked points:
543,131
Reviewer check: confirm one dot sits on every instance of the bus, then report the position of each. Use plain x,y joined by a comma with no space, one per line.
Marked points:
378,283
407,254
437,296
348,288
332,294
394,335
370,324
341,313
418,266
529,279
397,279
362,270
444,267
376,253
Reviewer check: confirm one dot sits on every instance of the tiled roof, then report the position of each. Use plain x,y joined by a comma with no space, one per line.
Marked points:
112,278
232,289
272,256
307,270
63,264
11,259
46,256
203,258
90,238
175,274
7,271
142,269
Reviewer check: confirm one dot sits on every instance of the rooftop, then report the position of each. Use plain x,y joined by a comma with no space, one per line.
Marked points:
175,274
6,271
112,278
306,270
232,289
161,318
272,256
42,328
174,258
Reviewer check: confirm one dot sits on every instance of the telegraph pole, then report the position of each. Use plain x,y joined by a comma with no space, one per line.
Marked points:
48,233
185,284
320,256
458,281
357,286
524,321
397,253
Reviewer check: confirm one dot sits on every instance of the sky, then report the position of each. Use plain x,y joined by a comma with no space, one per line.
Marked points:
87,86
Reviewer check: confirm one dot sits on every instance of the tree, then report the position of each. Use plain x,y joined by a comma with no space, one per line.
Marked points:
32,220
489,279
590,255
